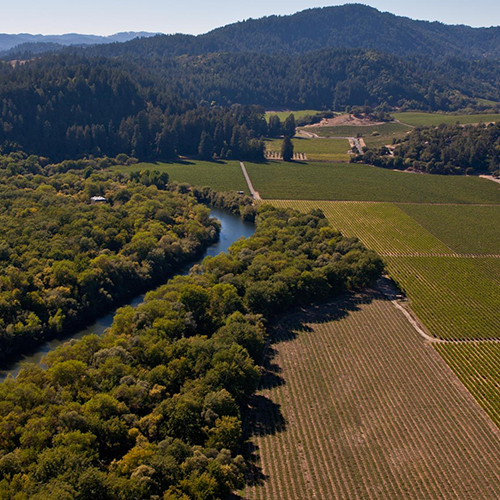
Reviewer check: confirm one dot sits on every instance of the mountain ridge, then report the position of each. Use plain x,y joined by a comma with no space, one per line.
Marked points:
353,26
9,41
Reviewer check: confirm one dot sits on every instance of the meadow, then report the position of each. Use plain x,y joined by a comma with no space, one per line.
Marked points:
316,149
422,119
220,175
354,404
357,182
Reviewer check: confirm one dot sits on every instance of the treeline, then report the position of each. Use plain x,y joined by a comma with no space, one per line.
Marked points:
66,107
64,261
153,409
446,149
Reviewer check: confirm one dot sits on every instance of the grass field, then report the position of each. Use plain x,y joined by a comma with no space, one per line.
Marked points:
221,176
421,119
456,298
465,229
346,182
386,132
316,149
355,405
477,366
283,115
383,227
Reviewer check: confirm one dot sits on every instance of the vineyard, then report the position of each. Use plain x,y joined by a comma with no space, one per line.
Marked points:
477,366
422,119
456,298
348,410
221,175
465,229
316,149
357,182
383,227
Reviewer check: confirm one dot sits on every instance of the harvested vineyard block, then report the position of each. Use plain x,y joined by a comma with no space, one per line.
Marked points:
356,405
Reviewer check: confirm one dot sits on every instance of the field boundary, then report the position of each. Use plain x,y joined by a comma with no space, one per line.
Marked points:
385,202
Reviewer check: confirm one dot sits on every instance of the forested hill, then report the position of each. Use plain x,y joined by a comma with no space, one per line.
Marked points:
348,26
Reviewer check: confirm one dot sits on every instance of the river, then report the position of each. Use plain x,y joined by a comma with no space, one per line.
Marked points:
232,229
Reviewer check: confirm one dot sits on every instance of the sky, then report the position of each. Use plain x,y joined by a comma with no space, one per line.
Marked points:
104,17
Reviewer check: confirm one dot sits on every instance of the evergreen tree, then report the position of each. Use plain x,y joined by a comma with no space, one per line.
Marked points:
206,148
287,149
274,129
166,144
289,126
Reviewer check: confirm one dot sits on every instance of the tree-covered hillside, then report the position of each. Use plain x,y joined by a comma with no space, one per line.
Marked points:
68,105
348,26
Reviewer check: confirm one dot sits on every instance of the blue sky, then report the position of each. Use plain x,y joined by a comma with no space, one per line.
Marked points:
197,16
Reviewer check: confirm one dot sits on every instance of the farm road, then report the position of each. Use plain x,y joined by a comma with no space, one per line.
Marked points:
255,194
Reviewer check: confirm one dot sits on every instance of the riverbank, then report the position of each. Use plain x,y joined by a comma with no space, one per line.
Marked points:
232,228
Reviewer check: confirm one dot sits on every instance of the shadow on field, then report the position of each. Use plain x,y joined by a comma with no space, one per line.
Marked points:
264,415
300,321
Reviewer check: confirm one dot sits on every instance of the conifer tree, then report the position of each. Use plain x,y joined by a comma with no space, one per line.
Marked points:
287,149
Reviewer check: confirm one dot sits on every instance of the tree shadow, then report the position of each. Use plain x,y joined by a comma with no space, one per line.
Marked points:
264,415
288,327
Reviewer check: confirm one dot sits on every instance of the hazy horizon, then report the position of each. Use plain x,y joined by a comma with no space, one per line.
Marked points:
105,18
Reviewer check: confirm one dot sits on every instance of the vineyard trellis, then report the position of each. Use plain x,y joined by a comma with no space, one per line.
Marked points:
478,367
368,411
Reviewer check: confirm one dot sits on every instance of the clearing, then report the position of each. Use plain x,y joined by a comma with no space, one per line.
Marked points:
374,135
283,115
354,404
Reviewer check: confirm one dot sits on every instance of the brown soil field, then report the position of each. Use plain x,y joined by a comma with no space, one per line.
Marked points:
355,405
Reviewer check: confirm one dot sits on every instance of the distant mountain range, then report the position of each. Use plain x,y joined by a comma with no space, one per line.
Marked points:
8,42
352,26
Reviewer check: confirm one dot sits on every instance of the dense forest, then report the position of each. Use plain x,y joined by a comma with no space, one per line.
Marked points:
65,107
64,261
154,407
447,149
68,106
